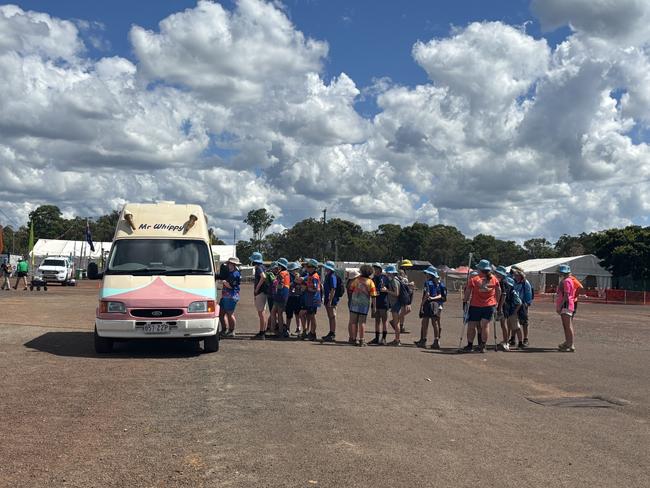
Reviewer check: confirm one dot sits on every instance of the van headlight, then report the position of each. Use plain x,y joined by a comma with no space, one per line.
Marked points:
112,307
206,306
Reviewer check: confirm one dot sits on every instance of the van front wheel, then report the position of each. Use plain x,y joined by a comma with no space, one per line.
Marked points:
211,344
102,344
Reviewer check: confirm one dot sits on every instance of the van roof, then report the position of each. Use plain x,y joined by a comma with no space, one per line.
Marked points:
162,220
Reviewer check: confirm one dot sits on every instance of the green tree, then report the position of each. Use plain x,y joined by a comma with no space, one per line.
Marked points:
625,251
539,248
48,222
259,220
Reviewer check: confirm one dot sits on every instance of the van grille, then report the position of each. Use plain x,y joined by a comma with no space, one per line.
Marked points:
157,312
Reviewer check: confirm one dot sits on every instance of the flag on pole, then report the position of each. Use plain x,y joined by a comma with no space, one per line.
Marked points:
89,238
31,243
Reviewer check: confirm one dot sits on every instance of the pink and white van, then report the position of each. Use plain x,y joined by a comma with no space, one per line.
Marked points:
159,278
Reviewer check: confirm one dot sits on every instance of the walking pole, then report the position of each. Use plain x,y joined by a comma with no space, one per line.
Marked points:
465,311
494,326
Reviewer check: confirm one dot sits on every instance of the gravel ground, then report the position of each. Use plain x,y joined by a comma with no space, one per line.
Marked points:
307,414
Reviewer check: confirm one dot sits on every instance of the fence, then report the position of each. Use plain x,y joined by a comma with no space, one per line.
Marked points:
609,295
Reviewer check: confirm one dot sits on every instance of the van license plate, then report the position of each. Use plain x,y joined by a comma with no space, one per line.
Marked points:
156,328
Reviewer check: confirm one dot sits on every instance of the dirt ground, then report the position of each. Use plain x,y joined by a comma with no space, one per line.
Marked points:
290,413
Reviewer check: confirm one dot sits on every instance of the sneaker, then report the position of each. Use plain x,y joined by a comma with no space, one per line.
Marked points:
522,345
505,346
403,330
512,342
396,342
304,335
467,348
477,347
361,343
285,334
482,348
352,341
420,343
297,333
566,348
382,341
310,337
329,338
260,336
436,344
526,342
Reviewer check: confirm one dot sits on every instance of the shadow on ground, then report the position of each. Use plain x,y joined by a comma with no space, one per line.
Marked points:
81,344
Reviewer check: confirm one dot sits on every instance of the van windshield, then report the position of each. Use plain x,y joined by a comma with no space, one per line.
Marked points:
53,262
159,257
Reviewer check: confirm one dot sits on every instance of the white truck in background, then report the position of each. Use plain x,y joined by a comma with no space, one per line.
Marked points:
56,269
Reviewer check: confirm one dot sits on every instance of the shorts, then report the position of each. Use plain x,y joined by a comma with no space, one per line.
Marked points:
382,302
260,302
380,313
228,304
311,310
431,309
280,305
476,314
21,274
566,311
396,307
293,306
523,315
358,318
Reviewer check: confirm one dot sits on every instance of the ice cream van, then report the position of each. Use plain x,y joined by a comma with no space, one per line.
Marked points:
159,278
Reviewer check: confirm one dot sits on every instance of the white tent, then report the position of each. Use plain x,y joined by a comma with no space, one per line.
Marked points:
543,272
55,247
223,253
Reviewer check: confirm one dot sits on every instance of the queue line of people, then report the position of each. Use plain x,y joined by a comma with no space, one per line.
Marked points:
296,291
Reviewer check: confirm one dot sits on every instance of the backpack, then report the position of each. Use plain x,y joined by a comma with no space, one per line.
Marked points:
405,294
443,293
340,287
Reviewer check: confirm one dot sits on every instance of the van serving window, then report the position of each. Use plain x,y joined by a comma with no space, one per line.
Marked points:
159,257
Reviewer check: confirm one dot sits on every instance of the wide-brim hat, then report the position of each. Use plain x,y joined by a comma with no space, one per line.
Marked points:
293,266
353,274
283,262
234,261
501,270
405,263
313,263
391,269
329,265
510,281
484,265
431,270
256,258
377,265
564,269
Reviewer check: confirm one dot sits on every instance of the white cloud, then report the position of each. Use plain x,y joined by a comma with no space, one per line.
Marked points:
230,109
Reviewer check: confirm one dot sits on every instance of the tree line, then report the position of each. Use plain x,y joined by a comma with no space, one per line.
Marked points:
624,251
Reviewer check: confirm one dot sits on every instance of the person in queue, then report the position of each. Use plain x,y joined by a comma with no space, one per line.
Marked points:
525,291
392,291
280,297
381,305
565,306
501,273
330,299
434,294
481,296
362,301
230,298
312,297
260,288
294,302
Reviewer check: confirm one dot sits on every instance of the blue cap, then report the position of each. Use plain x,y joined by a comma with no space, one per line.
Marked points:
256,258
329,265
564,269
509,280
283,262
501,270
293,266
484,265
391,269
313,263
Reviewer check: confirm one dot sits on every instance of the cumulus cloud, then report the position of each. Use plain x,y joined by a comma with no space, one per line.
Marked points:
229,108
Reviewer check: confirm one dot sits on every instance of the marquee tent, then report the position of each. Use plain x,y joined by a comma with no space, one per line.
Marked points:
542,273
55,247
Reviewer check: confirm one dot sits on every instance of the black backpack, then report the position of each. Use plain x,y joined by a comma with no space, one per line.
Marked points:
405,294
340,287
